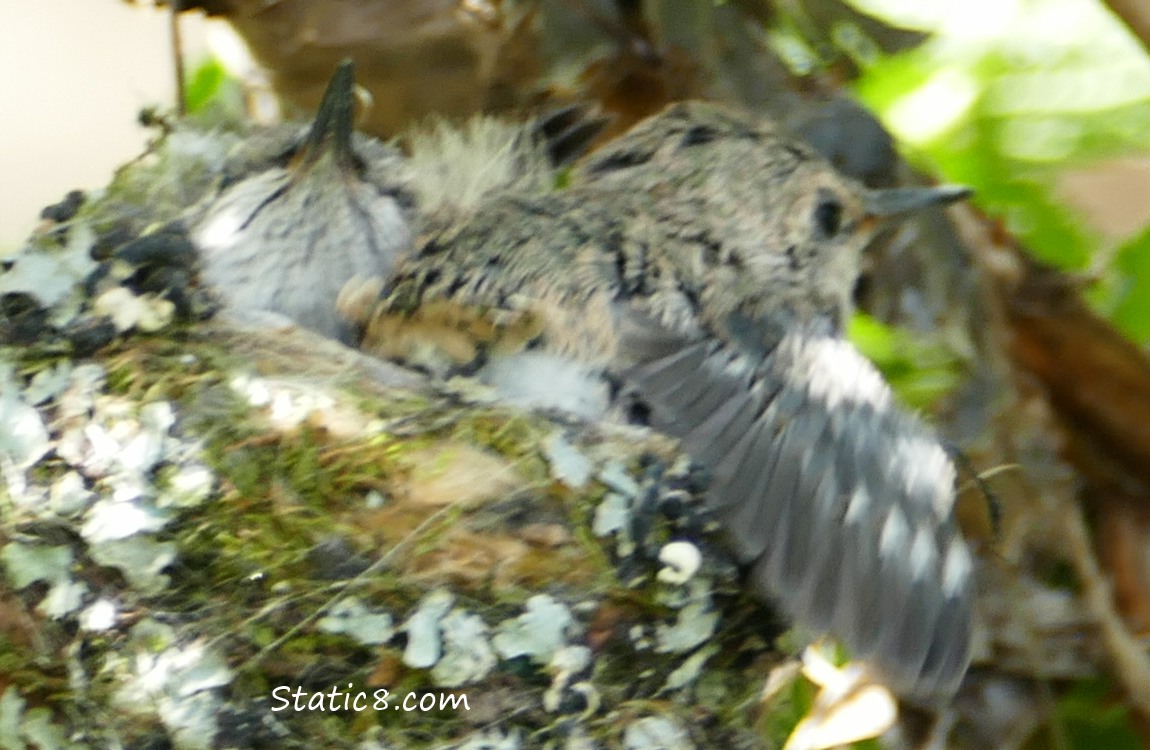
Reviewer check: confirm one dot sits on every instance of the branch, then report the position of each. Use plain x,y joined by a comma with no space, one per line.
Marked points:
1136,15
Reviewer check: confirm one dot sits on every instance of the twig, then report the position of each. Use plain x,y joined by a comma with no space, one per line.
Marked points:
177,56
1136,15
1131,664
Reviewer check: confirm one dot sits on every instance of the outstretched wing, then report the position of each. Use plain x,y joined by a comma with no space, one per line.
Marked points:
837,500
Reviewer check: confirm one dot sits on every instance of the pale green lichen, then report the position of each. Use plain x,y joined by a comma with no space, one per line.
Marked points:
538,633
424,638
352,617
468,656
568,464
656,733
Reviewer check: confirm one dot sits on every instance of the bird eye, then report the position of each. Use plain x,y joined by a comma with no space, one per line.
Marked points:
828,215
699,134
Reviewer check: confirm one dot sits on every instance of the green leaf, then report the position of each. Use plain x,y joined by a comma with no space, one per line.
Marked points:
204,85
1131,310
787,710
919,369
1092,716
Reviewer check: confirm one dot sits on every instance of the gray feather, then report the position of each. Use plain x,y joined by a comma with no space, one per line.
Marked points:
837,500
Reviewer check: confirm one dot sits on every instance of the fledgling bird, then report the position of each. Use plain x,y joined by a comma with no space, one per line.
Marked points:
309,210
302,210
697,278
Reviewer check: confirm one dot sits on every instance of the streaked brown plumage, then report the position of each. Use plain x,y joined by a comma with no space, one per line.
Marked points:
698,277
303,210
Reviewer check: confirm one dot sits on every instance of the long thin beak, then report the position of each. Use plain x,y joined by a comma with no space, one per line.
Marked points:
898,201
335,119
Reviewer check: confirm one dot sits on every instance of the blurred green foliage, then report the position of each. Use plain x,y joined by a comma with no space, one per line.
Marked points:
1091,715
205,82
1132,270
212,95
919,369
1005,96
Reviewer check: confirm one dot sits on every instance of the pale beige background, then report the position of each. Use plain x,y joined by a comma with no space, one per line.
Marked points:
73,75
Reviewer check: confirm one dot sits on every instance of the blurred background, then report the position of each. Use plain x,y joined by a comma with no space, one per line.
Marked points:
73,75
1018,326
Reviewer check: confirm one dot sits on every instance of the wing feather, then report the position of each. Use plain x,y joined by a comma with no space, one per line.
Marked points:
838,501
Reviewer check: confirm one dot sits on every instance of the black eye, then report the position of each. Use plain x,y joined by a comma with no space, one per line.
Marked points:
698,134
828,215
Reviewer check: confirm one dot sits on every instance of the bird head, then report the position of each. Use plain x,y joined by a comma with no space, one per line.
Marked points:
777,225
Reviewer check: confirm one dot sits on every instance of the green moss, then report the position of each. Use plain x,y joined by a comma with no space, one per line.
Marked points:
22,665
513,434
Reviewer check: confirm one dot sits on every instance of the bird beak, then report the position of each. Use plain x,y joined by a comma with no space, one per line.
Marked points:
335,119
893,202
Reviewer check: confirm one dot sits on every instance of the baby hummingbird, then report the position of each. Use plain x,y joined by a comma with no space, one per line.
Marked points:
697,277
313,208
302,210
